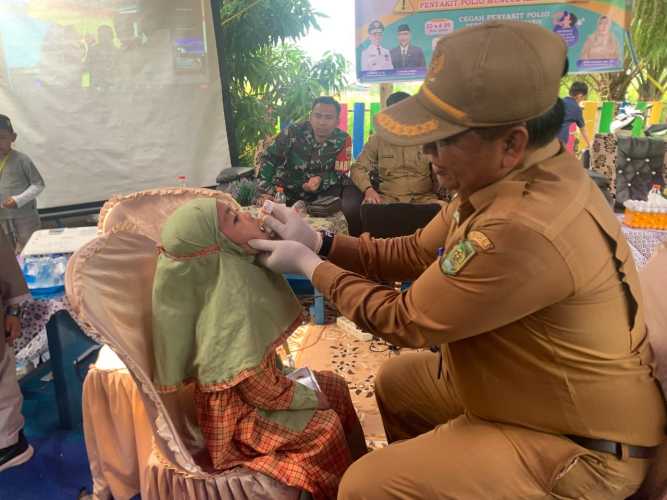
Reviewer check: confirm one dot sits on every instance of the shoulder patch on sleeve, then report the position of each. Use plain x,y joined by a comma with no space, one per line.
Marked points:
457,258
480,240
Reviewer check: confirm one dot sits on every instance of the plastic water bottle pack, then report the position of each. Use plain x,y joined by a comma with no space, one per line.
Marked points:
45,275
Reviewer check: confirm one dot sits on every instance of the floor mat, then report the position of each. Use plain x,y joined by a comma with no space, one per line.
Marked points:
328,347
59,468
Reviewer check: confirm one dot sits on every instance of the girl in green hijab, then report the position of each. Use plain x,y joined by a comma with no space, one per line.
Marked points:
217,321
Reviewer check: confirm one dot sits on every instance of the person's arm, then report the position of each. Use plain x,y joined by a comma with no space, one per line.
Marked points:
518,275
364,60
362,166
12,285
333,176
13,289
422,60
28,195
35,185
392,259
395,56
273,163
579,120
384,259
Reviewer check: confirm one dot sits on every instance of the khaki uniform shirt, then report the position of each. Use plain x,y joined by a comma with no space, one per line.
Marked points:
404,171
541,326
13,289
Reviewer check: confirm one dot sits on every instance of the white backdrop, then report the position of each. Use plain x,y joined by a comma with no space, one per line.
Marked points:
113,96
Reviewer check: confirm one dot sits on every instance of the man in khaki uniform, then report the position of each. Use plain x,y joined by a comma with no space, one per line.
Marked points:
14,449
545,384
404,172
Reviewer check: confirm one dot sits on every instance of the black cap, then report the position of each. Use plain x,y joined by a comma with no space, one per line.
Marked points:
403,27
6,124
375,27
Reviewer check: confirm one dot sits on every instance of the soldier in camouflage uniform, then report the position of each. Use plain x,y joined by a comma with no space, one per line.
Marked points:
309,159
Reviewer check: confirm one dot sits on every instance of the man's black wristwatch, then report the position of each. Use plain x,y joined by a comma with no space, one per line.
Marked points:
13,310
327,242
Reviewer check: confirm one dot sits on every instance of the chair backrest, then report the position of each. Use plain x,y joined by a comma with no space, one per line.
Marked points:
146,211
396,219
109,287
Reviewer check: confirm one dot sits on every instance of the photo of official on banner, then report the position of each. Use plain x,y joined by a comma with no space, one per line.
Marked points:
396,38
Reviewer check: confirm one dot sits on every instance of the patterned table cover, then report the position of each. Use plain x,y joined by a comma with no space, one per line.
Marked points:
32,345
643,242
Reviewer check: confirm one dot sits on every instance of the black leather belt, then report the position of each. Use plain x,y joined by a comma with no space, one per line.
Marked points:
613,447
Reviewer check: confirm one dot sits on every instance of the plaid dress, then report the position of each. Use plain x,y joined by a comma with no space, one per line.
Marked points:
236,434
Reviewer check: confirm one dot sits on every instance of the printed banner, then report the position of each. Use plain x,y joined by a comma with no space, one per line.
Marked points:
395,39
113,96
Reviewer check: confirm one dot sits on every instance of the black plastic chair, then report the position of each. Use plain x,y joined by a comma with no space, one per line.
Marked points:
396,219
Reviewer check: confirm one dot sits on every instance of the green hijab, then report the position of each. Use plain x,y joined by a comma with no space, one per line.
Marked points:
216,314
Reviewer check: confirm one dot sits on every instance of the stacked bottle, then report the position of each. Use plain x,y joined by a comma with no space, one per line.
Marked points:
649,214
280,195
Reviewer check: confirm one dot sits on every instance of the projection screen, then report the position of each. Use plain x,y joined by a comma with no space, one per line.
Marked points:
113,96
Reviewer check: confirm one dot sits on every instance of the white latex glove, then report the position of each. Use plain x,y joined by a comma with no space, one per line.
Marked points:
289,225
286,256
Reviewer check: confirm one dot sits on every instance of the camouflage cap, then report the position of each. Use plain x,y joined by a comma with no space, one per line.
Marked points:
375,27
483,76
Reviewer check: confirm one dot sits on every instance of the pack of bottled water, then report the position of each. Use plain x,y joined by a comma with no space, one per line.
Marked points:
45,274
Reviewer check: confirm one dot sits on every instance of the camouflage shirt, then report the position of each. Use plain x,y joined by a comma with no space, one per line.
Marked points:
296,156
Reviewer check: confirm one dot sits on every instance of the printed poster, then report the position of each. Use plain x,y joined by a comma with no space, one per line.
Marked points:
396,38
113,96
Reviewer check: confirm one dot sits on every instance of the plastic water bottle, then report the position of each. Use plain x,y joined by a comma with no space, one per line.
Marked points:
280,195
30,271
300,208
182,181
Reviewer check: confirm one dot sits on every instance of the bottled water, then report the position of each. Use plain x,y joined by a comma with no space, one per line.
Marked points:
45,272
280,195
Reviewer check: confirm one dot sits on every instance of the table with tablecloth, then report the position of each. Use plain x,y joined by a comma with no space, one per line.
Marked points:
643,242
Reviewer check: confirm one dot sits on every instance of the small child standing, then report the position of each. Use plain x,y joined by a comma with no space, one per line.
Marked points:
20,184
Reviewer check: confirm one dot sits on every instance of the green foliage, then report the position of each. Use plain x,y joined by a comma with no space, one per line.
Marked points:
244,191
267,76
649,33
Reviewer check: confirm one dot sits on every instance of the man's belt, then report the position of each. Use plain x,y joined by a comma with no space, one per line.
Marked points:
614,448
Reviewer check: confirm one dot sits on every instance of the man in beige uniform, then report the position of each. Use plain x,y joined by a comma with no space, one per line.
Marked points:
546,385
14,449
404,171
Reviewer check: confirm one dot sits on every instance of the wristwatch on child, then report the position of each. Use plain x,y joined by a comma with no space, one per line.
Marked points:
327,242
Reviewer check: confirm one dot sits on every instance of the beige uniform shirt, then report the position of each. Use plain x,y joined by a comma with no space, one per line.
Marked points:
13,289
404,171
542,326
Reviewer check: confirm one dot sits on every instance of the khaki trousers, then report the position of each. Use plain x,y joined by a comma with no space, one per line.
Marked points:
449,454
11,420
20,230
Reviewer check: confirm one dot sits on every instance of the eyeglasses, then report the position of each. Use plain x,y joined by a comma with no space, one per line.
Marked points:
448,141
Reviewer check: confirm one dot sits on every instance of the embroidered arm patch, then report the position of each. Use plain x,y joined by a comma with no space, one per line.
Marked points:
452,262
457,257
